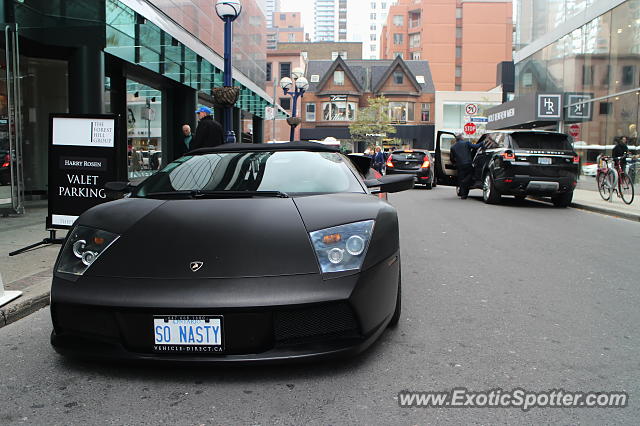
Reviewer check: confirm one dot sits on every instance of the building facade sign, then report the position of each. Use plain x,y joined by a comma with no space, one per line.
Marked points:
549,106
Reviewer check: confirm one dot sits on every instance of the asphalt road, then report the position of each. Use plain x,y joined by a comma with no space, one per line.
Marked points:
518,295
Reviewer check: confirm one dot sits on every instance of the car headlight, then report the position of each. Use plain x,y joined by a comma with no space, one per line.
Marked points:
84,245
342,248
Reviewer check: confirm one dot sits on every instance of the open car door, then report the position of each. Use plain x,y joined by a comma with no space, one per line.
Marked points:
445,170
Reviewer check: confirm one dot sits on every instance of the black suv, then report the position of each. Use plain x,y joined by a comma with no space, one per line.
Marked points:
417,162
516,162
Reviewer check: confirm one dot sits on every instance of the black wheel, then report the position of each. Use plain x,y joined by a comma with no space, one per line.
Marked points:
490,194
429,185
520,197
563,199
396,314
605,185
626,189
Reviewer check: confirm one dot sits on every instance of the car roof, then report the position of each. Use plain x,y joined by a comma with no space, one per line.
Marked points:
252,147
525,131
398,151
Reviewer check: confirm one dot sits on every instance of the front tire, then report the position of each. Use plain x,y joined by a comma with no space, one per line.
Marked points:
562,200
396,313
626,189
490,194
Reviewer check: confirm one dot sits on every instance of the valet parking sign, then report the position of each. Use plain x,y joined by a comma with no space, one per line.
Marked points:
82,158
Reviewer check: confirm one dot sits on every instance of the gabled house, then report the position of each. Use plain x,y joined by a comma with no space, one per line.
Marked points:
337,89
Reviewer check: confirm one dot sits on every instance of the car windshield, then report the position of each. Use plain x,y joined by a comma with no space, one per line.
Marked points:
408,156
532,140
288,172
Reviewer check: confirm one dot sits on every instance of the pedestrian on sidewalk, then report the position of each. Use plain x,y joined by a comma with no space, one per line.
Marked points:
209,131
378,160
462,152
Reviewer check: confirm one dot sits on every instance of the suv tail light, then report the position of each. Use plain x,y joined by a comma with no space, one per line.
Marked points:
576,159
508,155
389,163
426,164
6,161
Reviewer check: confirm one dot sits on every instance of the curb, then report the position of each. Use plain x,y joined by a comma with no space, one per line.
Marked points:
25,305
609,212
634,217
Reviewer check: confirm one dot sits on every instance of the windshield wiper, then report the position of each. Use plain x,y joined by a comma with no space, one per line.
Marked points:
169,195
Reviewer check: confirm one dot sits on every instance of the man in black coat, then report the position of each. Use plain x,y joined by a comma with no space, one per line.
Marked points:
462,155
209,132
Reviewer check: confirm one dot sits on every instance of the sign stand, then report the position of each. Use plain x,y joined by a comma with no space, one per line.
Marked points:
7,296
83,156
45,242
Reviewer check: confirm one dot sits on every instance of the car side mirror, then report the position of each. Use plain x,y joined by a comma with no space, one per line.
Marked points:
123,187
362,163
390,183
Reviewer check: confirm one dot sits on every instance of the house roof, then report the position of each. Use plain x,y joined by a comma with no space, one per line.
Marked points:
339,62
370,73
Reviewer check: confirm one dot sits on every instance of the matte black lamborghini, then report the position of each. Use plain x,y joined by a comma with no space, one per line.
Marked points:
240,253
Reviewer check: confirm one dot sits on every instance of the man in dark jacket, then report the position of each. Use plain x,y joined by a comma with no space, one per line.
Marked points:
620,151
209,132
462,156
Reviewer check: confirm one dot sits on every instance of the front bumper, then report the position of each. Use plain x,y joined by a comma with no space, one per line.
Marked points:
266,320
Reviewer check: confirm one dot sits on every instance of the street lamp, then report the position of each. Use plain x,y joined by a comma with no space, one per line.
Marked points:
299,84
228,11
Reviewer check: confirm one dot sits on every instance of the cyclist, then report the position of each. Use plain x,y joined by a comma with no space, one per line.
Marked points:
620,151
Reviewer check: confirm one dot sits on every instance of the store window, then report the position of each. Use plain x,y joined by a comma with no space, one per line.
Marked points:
401,112
144,130
339,111
425,112
310,112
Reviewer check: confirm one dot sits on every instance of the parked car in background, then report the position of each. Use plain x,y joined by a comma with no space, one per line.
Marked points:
5,167
518,163
417,162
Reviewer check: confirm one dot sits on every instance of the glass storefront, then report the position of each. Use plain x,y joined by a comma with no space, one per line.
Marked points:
144,130
599,60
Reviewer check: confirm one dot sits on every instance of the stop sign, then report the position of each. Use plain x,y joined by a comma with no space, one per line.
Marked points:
574,130
469,128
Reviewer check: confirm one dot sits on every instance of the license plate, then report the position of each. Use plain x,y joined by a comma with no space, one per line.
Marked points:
544,160
187,333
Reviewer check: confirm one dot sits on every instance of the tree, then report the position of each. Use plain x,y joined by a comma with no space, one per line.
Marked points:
373,122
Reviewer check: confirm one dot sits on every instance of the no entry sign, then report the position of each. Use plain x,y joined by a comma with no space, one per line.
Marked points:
469,128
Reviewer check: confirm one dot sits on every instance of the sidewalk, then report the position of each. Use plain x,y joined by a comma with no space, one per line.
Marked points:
29,272
591,200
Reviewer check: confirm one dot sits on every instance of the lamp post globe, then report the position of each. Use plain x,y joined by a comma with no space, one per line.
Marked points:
302,84
228,9
286,83
297,73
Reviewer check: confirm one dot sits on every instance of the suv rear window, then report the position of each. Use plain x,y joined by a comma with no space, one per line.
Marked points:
408,156
526,140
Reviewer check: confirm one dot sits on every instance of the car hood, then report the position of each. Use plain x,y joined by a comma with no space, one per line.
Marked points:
233,238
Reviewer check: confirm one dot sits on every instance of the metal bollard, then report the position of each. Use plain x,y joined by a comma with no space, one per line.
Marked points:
7,296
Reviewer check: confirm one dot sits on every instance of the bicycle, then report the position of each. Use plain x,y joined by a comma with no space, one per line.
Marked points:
610,179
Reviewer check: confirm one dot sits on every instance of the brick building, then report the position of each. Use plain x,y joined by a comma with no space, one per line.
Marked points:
339,88
287,27
463,40
323,50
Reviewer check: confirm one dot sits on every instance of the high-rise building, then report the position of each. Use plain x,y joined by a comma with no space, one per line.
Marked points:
463,40
330,20
271,7
577,71
369,30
